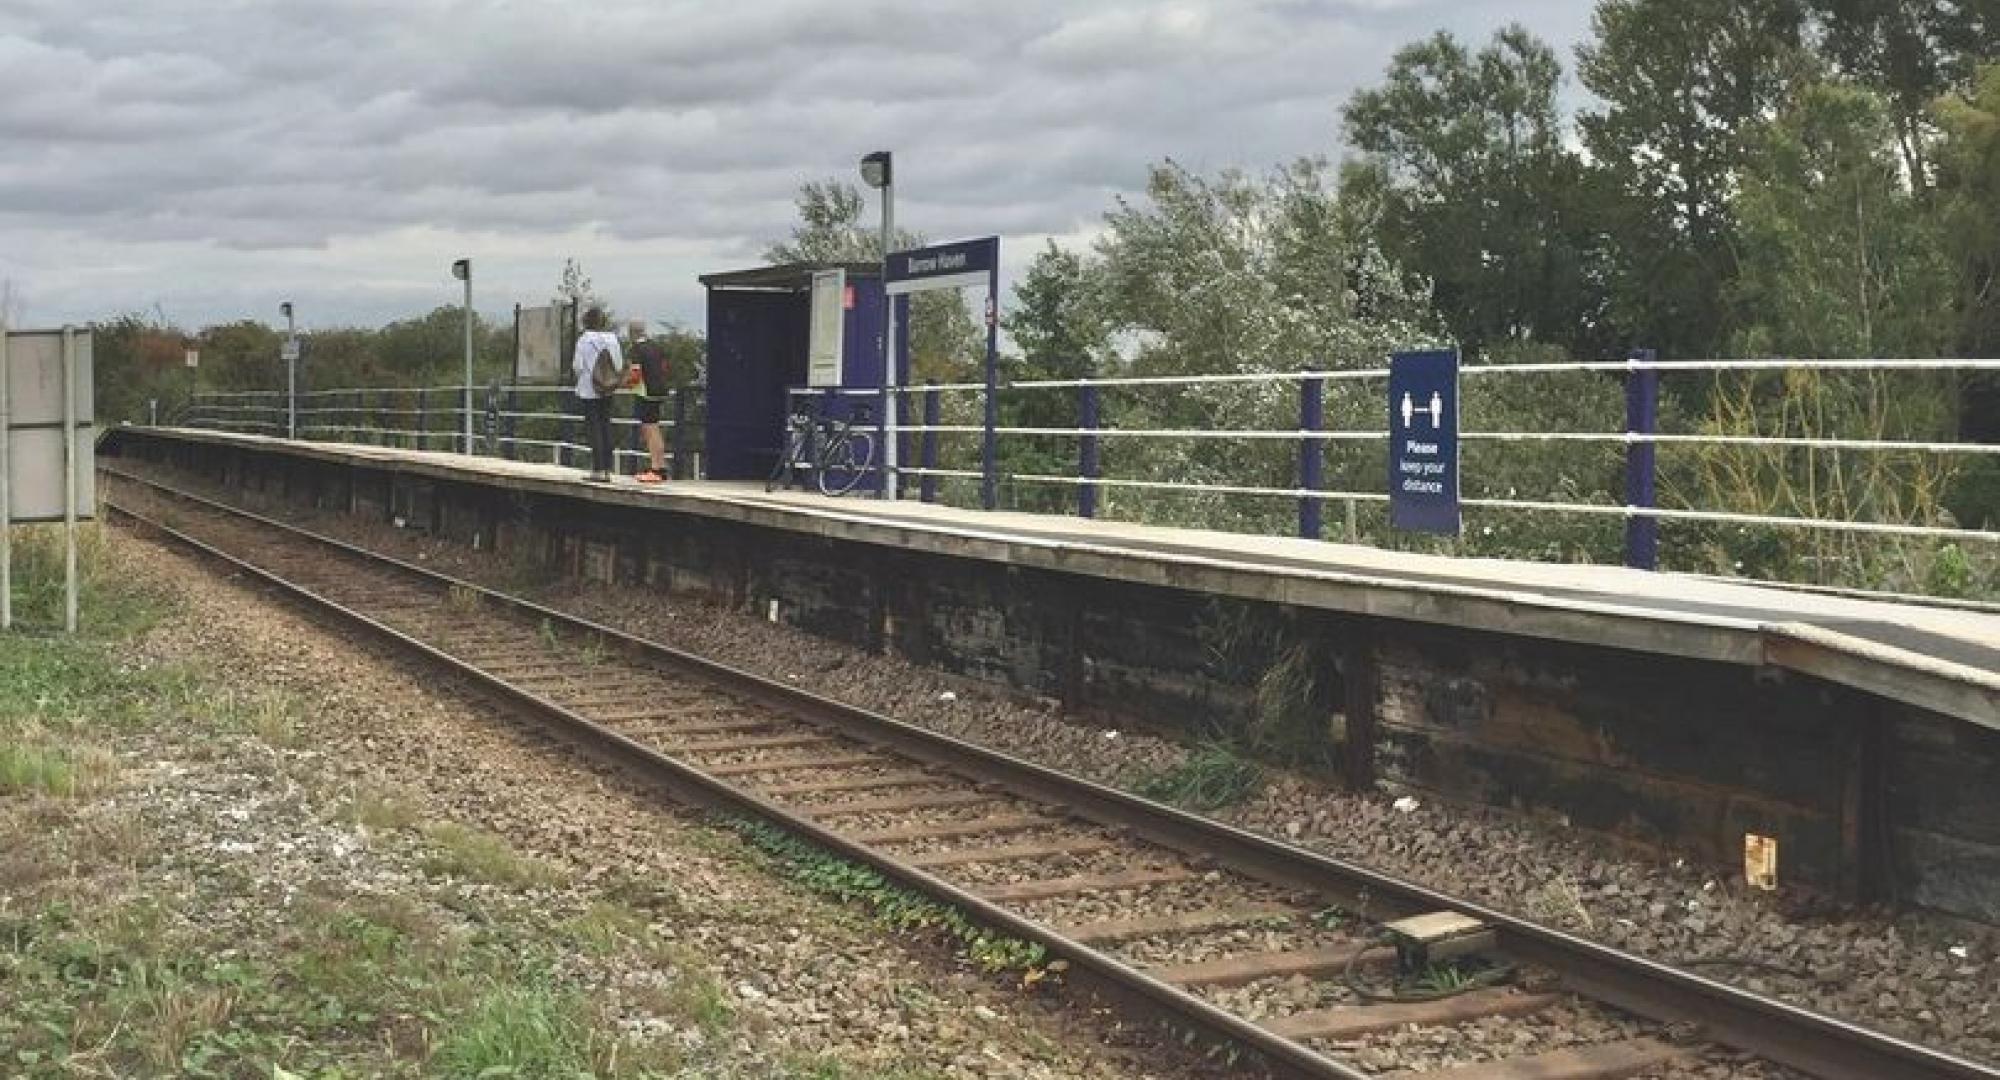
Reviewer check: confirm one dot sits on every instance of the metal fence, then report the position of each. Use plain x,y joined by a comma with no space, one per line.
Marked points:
522,423
1323,433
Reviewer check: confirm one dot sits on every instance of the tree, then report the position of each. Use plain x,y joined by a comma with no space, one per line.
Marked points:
945,343
1055,319
1679,81
575,289
1244,274
1913,53
1838,259
1479,195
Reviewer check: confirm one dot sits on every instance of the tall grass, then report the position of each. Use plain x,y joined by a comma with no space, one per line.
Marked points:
109,605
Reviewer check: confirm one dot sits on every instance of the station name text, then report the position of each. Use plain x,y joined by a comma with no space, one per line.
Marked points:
940,263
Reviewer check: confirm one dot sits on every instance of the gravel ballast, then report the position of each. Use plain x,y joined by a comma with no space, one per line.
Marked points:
803,978
1929,979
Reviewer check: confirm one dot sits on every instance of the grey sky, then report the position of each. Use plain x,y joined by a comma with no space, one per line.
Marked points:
212,157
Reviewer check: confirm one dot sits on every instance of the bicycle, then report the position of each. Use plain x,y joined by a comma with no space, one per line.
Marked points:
838,452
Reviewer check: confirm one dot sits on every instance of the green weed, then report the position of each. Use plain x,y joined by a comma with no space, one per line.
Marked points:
519,1031
378,809
481,855
53,770
894,907
1211,778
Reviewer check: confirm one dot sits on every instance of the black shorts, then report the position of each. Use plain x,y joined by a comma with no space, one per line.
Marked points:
646,410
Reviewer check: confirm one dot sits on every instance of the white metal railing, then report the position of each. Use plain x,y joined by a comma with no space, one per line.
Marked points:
265,411
923,461
327,414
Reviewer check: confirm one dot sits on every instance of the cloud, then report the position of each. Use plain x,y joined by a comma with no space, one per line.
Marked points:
212,158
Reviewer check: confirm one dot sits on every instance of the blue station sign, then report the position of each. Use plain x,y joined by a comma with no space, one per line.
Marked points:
958,265
1423,442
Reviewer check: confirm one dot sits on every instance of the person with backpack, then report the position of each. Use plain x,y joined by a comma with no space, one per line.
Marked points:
600,371
650,388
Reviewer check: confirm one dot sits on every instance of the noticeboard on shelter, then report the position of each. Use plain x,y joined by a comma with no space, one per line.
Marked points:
538,344
825,353
37,438
1423,442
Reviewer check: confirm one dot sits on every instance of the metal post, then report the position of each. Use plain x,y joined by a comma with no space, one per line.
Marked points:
6,494
989,466
678,468
468,356
889,351
509,449
69,478
572,427
1088,467
1642,417
291,373
927,486
152,412
423,416
1312,418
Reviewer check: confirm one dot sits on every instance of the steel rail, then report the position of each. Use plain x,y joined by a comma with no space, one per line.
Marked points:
1280,1056
1811,1042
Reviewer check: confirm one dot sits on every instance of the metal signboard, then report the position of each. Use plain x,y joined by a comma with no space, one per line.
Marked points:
961,265
1423,442
289,350
34,410
538,345
828,329
47,454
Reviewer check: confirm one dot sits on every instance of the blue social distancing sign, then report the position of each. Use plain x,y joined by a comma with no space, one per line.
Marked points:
1423,441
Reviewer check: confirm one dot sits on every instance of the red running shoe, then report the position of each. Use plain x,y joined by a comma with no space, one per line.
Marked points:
650,477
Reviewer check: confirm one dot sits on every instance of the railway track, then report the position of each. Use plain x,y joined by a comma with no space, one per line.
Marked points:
1287,960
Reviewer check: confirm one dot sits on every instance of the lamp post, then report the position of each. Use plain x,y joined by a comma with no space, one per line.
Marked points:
878,172
462,270
291,355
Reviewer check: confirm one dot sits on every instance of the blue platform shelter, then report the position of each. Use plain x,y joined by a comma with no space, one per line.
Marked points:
803,331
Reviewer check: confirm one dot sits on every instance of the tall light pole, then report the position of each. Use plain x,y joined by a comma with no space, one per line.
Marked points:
878,172
462,270
291,355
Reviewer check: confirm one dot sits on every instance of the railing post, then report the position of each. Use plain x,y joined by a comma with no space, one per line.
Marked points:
927,446
1312,419
572,424
678,468
887,484
423,431
508,448
989,448
1642,417
1088,468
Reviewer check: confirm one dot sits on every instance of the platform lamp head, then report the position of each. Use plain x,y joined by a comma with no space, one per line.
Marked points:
462,270
285,309
877,169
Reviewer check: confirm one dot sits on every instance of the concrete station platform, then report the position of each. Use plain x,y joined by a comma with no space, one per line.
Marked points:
1678,712
1938,658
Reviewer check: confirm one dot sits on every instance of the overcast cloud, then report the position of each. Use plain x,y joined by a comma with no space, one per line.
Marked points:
212,157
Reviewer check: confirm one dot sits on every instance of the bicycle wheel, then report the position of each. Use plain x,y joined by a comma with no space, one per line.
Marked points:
847,461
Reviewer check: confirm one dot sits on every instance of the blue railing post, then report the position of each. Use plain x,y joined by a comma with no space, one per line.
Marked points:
1312,418
928,455
1642,417
678,469
989,448
508,448
1088,468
